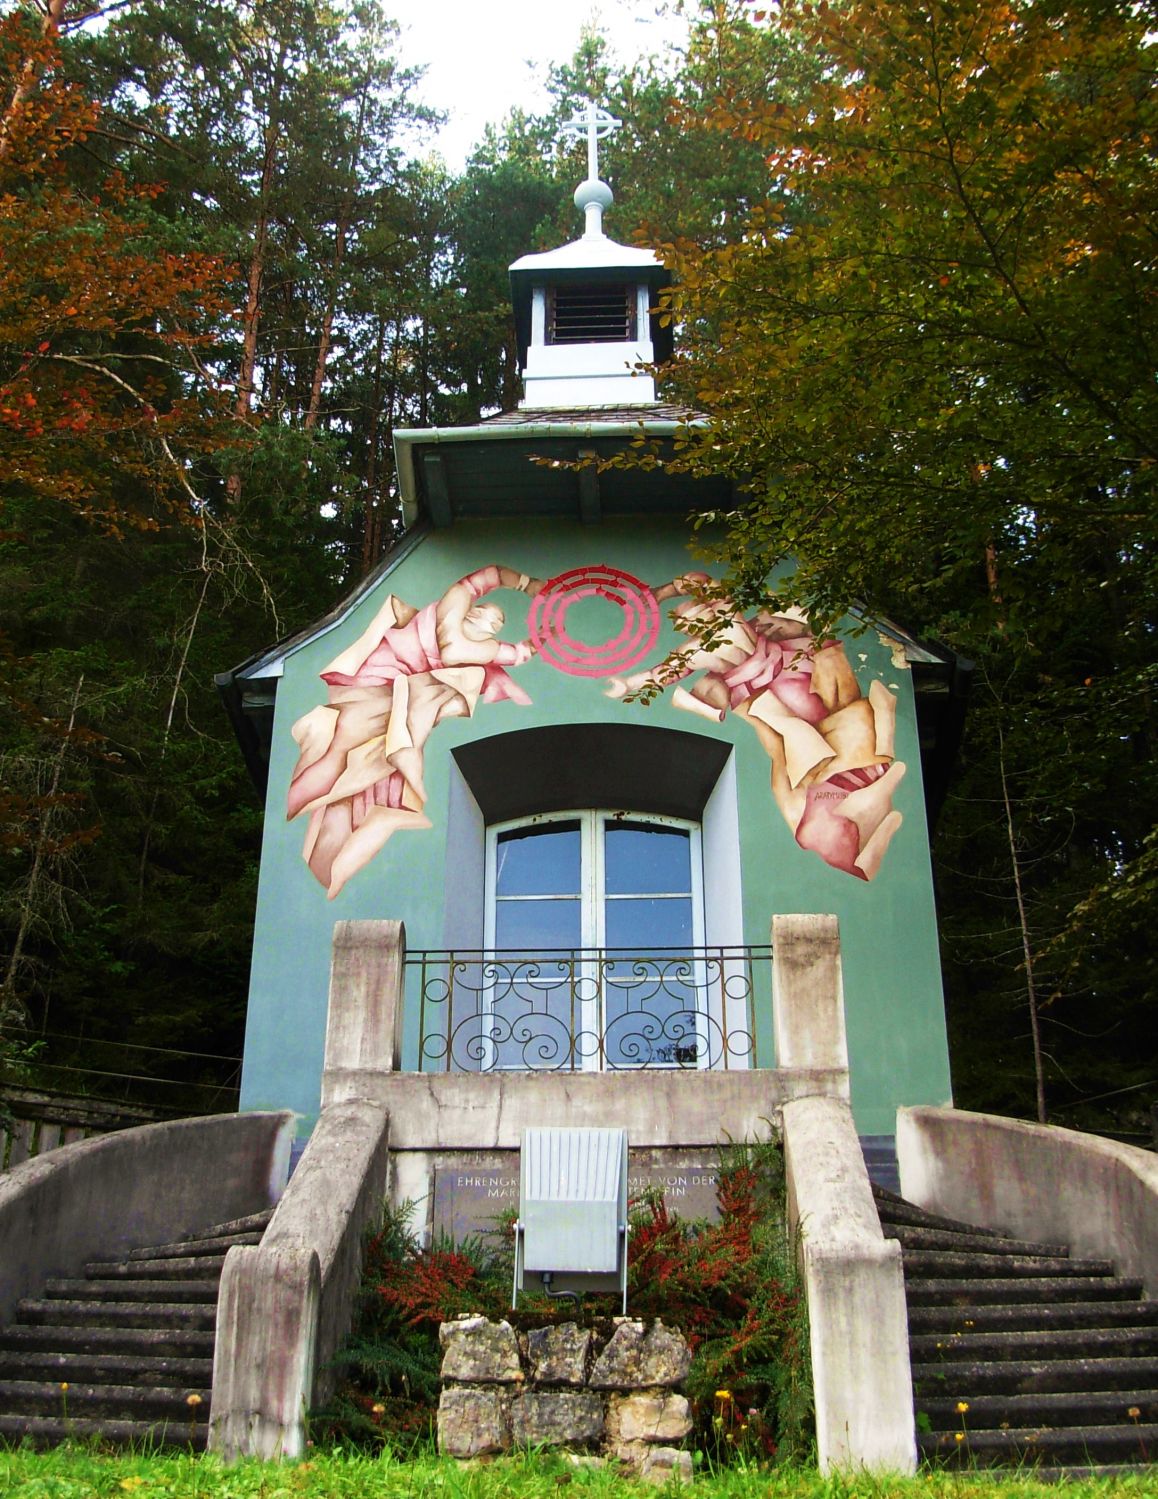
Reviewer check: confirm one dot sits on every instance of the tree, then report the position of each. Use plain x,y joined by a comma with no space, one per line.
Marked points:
929,359
111,561
102,397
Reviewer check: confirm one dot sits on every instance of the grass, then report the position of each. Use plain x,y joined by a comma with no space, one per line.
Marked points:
78,1472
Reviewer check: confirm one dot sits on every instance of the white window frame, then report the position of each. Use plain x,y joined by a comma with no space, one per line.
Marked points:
593,895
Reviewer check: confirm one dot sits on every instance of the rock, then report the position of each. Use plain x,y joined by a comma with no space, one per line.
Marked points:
635,1358
556,1418
662,1464
473,1423
478,1351
558,1355
648,1416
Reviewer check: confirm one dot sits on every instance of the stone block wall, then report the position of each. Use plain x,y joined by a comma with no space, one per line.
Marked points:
563,1386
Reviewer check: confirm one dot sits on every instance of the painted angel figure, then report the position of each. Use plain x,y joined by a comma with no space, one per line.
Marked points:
359,775
834,769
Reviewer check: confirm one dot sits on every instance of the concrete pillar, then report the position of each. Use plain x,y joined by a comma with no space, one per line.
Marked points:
364,1023
857,1317
263,1366
808,993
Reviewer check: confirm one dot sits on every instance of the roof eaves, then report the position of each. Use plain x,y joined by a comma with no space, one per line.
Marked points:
407,439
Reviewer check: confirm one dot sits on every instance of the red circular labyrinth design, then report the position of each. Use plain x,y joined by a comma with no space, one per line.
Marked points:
547,622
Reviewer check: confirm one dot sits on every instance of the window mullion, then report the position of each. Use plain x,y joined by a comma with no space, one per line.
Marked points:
699,935
594,926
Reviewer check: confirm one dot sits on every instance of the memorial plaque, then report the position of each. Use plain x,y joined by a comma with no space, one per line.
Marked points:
473,1188
687,1179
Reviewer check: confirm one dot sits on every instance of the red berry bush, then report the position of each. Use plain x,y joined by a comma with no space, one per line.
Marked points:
730,1286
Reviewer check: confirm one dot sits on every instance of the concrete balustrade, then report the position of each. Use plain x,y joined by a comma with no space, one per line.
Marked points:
854,1283
286,1304
853,1277
99,1198
1036,1182
265,1352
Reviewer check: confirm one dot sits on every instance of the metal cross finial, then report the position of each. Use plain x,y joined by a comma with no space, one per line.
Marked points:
596,124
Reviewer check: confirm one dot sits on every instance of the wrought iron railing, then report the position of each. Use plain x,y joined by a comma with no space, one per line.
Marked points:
589,1009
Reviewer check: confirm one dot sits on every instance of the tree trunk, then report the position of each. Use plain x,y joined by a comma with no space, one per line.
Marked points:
1026,944
252,315
370,509
35,874
341,228
30,72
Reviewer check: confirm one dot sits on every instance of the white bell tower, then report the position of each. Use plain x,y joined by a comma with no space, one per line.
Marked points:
583,311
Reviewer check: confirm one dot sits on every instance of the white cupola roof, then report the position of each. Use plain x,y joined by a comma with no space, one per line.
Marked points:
583,311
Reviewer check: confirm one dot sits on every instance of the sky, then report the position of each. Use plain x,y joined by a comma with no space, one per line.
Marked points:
476,54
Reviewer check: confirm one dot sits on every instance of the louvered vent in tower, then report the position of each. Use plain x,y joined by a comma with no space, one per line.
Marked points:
591,314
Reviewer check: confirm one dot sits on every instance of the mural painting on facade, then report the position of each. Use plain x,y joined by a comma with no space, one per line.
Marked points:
834,769
360,772
359,776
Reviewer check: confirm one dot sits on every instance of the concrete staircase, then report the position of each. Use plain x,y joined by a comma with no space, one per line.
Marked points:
1021,1354
126,1353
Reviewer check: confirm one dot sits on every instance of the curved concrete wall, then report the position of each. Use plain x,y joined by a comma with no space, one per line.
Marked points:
140,1186
286,1304
857,1321
1037,1182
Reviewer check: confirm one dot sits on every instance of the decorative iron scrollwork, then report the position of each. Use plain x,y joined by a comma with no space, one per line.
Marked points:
576,1010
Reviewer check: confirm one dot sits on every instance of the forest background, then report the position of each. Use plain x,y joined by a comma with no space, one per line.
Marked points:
915,250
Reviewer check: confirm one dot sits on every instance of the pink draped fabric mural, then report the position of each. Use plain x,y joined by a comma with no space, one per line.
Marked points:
360,772
834,769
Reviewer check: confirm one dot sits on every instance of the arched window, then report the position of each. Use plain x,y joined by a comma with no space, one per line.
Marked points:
593,905
594,924
594,879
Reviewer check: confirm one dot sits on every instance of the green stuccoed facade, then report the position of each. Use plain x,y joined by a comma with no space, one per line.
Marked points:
427,879
505,730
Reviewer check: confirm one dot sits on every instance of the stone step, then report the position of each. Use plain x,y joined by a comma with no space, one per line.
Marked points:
962,1379
1078,1444
51,1431
955,1240
132,1290
160,1314
196,1267
131,1402
1021,1316
1054,1409
251,1223
965,1291
944,1264
216,1244
151,1342
1061,1342
894,1209
107,1368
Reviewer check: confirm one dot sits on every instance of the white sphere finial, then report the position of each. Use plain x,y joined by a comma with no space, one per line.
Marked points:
592,196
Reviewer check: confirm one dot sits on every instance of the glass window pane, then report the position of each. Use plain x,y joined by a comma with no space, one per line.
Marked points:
536,1013
642,925
649,1009
536,925
538,861
643,859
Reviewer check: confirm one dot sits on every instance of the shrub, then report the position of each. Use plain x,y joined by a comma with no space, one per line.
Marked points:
730,1286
